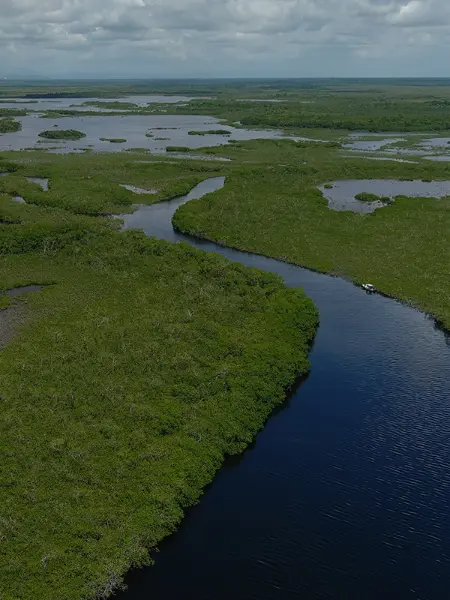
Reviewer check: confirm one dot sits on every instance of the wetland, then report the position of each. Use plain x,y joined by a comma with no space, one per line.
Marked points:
187,354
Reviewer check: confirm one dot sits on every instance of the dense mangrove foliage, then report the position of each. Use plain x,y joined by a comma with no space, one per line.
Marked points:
62,134
363,112
8,125
211,132
12,112
146,364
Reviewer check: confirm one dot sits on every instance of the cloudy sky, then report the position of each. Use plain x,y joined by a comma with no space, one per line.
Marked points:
207,38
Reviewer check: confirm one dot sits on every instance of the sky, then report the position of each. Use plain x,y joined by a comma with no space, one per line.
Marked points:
224,38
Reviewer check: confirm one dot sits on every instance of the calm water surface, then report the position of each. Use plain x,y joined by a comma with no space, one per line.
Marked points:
345,494
342,195
168,130
371,144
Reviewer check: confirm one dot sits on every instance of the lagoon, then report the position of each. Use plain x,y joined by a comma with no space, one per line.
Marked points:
167,130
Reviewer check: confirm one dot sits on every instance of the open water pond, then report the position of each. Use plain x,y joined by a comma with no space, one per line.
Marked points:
345,495
342,195
174,129
443,142
439,158
423,144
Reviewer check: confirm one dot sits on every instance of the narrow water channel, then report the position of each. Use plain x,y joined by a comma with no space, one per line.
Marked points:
345,494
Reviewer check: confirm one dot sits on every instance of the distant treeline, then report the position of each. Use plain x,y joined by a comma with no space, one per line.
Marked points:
362,113
59,95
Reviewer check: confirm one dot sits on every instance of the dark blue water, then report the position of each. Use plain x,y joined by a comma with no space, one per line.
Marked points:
345,494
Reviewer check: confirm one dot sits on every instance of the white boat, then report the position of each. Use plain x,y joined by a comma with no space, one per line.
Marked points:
368,287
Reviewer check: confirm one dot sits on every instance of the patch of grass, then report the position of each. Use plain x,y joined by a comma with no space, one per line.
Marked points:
367,197
5,302
62,134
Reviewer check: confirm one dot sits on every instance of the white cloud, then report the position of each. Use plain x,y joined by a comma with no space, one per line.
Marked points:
194,37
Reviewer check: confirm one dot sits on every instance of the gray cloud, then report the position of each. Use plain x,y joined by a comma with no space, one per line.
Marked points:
225,37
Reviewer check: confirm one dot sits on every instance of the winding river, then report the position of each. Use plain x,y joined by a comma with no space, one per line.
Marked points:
345,494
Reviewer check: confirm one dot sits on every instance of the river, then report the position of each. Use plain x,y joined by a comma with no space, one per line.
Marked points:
345,494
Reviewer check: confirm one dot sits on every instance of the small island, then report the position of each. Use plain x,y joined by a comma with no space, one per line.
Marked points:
367,197
110,105
211,132
8,125
62,134
113,140
178,149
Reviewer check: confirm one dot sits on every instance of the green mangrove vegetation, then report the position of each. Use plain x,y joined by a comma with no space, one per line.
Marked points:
147,363
211,132
8,125
12,112
62,134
